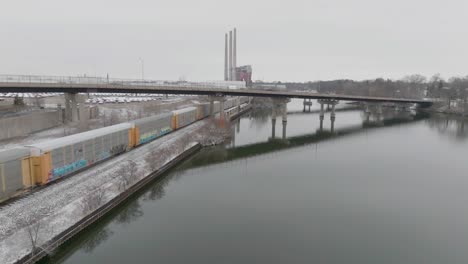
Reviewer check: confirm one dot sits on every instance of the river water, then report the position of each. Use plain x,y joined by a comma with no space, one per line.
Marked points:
393,189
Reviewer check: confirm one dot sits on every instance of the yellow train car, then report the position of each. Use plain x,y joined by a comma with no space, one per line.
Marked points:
183,117
15,172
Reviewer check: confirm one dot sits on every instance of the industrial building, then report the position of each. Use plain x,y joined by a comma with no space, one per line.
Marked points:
231,71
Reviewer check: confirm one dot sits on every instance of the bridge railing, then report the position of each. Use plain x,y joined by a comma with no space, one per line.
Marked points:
40,79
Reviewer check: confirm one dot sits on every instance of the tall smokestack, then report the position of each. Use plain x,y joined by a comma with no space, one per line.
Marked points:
226,67
231,77
234,58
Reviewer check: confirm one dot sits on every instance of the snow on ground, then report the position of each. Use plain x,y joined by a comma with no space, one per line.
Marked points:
65,198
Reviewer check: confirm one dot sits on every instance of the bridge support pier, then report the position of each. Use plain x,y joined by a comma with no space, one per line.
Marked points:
328,102
332,118
222,114
379,112
211,106
273,122
307,103
367,112
71,107
285,118
279,107
322,115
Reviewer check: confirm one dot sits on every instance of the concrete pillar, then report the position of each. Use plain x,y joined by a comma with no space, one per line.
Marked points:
304,105
379,112
61,117
322,115
222,114
332,117
310,104
74,107
285,118
273,122
211,107
238,125
379,109
70,107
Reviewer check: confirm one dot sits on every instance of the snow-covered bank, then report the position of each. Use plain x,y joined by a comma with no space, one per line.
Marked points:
60,206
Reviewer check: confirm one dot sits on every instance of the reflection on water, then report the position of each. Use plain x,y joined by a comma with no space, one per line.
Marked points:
455,128
375,190
96,239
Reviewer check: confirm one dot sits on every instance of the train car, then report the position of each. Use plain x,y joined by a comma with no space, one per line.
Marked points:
183,117
152,127
231,112
203,110
15,171
57,158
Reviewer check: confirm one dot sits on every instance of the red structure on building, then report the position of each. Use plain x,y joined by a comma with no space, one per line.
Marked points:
244,73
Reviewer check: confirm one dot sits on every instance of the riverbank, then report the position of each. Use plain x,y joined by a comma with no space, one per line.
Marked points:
34,226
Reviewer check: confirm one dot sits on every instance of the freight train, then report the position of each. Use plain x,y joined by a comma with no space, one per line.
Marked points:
41,163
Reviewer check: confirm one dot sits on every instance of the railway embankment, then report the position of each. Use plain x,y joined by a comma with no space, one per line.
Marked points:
34,226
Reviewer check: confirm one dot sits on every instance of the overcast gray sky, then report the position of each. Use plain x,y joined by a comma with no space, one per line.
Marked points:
283,40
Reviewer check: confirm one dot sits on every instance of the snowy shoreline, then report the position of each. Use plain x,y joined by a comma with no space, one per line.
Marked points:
65,199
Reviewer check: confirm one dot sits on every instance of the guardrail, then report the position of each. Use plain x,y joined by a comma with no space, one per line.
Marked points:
39,79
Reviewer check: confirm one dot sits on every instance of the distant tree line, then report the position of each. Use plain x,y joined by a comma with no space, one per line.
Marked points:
413,86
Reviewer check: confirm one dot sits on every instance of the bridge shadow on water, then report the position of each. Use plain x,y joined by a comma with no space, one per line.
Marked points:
220,154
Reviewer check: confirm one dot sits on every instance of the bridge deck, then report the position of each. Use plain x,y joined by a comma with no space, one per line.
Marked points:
66,86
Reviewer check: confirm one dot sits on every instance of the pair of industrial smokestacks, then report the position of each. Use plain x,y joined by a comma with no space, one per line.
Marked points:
230,57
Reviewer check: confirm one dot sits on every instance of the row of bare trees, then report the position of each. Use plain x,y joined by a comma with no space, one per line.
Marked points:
410,86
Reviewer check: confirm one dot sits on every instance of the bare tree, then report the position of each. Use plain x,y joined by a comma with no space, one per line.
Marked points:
32,222
155,159
92,200
127,174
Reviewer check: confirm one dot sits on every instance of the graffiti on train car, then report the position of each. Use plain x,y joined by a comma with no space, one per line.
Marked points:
165,131
59,172
148,137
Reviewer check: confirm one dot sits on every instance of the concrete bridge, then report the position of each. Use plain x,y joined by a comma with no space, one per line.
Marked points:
74,85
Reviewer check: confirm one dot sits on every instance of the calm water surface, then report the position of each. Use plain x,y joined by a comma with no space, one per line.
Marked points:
392,191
